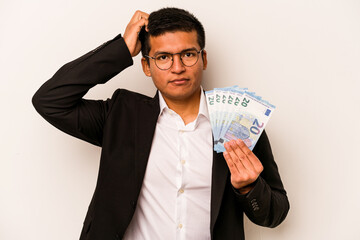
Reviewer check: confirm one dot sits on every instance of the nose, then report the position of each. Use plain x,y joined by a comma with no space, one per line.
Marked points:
178,66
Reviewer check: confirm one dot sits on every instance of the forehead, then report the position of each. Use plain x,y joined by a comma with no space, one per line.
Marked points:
173,42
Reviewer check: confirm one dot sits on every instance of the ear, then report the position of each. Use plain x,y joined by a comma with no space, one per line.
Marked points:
204,58
146,66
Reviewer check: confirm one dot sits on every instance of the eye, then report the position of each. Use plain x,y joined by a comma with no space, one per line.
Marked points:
163,57
189,54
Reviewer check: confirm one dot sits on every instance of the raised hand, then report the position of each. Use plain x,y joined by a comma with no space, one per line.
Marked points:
244,166
131,35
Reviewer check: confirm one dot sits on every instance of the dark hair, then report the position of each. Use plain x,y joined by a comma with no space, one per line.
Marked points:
170,20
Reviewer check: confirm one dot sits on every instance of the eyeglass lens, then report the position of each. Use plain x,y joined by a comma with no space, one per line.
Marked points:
164,61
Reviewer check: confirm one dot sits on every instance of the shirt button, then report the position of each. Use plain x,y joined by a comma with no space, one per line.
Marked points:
180,225
181,190
181,131
183,162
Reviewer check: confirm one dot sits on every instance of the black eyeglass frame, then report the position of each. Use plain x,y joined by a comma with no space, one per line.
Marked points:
172,58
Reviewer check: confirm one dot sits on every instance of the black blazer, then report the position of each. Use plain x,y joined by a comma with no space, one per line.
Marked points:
124,127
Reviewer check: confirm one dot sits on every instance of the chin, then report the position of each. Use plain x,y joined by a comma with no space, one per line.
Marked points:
179,96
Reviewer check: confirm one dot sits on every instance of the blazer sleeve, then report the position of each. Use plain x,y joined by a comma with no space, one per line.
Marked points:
267,203
60,99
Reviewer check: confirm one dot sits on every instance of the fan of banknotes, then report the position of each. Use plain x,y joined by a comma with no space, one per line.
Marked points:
237,113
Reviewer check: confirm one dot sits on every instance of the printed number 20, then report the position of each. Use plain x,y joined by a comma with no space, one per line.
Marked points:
245,102
255,129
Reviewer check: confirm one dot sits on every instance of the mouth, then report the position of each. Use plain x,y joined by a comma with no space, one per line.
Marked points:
179,81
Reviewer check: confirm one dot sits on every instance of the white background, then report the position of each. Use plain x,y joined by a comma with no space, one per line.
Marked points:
301,55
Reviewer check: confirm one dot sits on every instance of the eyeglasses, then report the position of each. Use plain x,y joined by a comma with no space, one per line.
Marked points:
164,60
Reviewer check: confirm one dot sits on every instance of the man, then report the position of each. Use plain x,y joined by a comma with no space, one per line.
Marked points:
159,177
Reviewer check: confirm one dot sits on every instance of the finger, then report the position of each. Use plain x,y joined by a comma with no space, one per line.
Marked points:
146,22
139,15
137,22
230,163
234,157
239,175
243,163
141,23
244,148
143,19
240,151
251,161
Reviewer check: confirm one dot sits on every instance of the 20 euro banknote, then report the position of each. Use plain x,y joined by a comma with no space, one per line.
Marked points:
237,113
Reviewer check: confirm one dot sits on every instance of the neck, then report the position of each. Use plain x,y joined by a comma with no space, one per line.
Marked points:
187,109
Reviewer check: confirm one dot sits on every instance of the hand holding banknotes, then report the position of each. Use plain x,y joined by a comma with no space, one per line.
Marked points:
238,117
244,166
131,35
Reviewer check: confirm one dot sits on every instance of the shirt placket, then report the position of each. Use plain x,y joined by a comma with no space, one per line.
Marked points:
181,183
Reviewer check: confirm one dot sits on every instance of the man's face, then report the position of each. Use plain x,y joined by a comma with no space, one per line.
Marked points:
179,83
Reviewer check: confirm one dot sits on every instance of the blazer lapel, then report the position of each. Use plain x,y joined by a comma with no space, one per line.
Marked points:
147,116
220,172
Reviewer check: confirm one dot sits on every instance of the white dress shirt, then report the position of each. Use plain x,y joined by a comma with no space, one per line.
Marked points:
174,201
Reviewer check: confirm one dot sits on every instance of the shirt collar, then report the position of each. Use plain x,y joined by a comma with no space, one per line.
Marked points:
162,103
203,110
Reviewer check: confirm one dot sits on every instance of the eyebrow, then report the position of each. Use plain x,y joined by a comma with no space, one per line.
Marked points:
184,50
